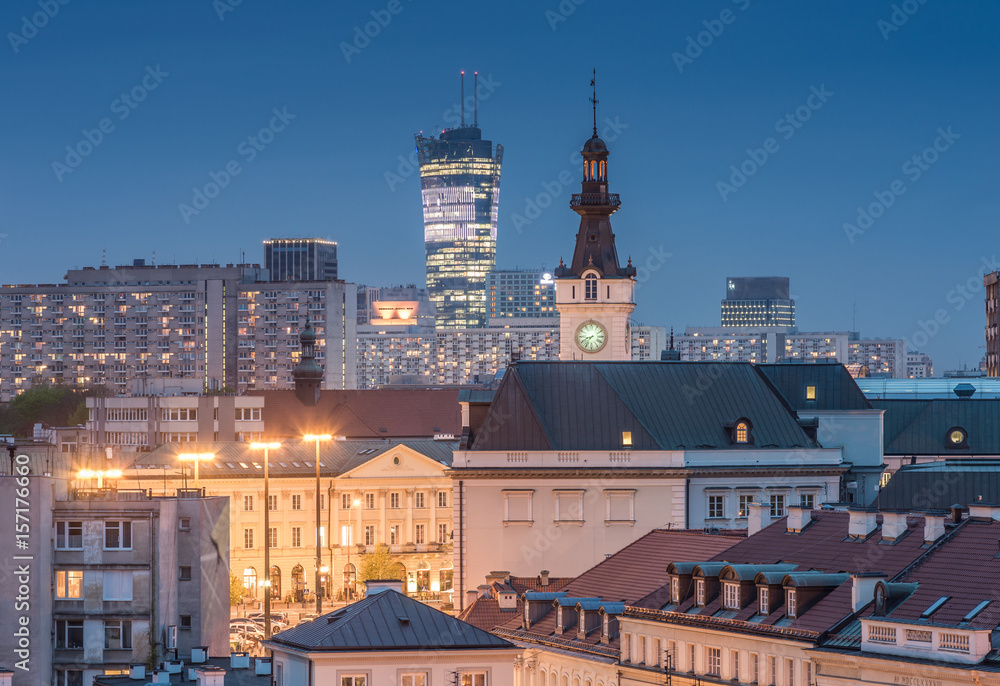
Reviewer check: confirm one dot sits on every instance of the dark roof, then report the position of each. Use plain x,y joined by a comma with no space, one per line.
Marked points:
475,395
920,427
939,485
389,413
294,458
233,677
835,387
666,406
387,620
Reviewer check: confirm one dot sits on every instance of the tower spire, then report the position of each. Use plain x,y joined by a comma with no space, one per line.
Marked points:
593,98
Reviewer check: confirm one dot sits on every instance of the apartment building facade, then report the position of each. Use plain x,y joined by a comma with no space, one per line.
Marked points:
129,328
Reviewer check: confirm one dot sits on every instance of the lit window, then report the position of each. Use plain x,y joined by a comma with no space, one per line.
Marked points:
626,439
810,392
742,432
69,584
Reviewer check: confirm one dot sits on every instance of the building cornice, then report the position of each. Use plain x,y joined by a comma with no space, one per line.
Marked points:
556,642
719,623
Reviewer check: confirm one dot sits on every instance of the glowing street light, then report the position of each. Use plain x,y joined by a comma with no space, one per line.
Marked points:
197,459
316,438
99,474
267,537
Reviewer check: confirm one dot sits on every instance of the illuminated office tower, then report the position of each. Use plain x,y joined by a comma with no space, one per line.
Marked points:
755,301
460,185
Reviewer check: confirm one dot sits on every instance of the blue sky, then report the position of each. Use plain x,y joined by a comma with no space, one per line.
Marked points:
688,91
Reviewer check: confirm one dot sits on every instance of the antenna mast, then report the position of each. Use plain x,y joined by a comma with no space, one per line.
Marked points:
463,99
475,90
593,99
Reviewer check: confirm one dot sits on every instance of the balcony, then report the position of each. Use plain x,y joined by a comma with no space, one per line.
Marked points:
609,199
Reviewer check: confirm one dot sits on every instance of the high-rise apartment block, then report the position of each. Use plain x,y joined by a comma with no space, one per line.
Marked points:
460,185
992,284
215,327
757,301
919,365
301,259
520,294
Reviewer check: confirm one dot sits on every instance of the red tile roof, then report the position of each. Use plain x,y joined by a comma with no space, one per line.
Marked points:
391,413
635,572
485,611
965,568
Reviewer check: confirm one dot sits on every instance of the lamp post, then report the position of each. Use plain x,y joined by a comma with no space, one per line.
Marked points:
267,538
196,458
319,550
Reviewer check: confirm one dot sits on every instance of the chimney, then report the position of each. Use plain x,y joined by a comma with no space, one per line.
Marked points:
798,518
893,525
981,510
137,671
470,597
507,599
483,590
210,676
755,521
956,513
862,522
377,585
863,588
933,525
502,577
544,578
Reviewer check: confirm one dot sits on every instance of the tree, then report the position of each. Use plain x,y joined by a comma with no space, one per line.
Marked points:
236,589
379,564
54,405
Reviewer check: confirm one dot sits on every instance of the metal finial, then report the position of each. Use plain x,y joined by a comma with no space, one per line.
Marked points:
593,98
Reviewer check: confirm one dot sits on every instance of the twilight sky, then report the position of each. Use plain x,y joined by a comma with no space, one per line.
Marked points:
744,135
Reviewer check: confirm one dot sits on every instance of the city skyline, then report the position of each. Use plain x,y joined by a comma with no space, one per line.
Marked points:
823,111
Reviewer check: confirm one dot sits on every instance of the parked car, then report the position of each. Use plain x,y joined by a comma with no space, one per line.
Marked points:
279,621
246,628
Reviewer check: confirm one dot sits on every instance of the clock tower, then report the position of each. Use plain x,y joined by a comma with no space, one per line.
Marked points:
595,294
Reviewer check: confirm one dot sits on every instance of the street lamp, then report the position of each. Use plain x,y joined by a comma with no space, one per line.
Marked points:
319,551
196,458
99,474
267,538
350,544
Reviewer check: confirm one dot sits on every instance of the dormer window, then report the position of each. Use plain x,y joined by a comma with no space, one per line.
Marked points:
810,392
675,590
957,438
790,603
731,596
742,432
590,288
699,592
764,600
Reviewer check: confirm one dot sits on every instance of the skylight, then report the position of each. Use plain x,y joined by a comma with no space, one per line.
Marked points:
935,607
976,610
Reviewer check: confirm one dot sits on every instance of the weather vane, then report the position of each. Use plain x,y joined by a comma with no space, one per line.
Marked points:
593,99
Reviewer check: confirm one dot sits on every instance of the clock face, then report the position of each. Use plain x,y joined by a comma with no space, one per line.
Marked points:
591,337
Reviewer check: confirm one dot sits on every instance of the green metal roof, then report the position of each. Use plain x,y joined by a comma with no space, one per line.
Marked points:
834,386
920,427
939,485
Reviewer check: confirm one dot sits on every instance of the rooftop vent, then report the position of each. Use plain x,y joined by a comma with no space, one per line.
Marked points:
964,390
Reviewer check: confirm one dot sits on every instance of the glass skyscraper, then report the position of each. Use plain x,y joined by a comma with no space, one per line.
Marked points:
460,185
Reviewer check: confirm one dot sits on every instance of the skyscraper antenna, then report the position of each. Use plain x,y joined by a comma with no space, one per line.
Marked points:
475,90
593,99
463,99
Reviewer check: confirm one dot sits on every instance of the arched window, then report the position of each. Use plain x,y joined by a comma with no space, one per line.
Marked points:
275,581
742,432
250,580
590,287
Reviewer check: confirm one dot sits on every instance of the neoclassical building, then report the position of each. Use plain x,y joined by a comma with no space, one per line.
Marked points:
371,492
